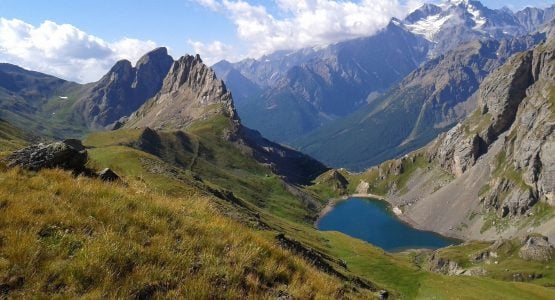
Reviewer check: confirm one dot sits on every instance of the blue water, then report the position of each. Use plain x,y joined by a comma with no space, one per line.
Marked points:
372,221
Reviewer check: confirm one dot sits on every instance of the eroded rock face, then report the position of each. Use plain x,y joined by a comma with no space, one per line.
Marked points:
536,248
503,91
458,151
529,149
68,154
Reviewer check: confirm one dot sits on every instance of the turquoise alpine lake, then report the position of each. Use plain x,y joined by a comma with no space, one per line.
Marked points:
372,221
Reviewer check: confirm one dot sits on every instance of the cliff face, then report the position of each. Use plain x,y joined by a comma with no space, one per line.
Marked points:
515,101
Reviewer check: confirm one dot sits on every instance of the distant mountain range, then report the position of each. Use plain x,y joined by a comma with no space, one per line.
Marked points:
312,98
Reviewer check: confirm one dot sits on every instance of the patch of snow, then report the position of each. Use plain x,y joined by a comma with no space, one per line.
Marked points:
63,97
428,27
478,18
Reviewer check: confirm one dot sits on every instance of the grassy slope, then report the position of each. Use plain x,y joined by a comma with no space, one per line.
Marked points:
68,253
80,237
401,273
47,116
11,138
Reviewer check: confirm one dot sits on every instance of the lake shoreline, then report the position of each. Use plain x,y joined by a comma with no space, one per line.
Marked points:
394,211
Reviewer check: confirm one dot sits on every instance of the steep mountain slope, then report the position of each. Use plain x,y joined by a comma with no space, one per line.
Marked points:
30,99
532,18
491,175
427,102
325,84
189,92
123,89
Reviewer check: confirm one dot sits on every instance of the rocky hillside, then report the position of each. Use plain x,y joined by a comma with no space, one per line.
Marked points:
427,102
492,174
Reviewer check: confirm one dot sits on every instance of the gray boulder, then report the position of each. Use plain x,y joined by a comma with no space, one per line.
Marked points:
536,248
68,155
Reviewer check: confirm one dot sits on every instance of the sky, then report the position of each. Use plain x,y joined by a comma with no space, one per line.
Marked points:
80,40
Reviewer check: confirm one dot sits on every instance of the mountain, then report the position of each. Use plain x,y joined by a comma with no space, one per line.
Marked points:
427,102
58,108
491,175
30,99
458,21
532,18
311,87
123,89
191,93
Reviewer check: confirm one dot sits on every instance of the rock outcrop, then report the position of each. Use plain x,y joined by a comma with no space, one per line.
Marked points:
516,100
457,151
537,248
67,154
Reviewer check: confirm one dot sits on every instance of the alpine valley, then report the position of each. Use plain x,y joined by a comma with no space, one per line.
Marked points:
166,179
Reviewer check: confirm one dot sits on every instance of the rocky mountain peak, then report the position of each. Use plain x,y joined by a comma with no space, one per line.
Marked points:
190,92
123,89
456,21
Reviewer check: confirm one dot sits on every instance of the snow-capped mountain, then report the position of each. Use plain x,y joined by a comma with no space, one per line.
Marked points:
455,21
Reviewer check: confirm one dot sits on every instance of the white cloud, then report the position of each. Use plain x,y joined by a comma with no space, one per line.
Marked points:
212,4
213,52
64,50
307,23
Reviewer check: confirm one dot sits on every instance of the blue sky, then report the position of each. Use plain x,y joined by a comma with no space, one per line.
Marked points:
230,29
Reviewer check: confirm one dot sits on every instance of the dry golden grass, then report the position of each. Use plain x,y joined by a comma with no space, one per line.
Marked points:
80,237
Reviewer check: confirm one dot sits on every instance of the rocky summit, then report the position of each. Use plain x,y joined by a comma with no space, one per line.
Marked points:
189,92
